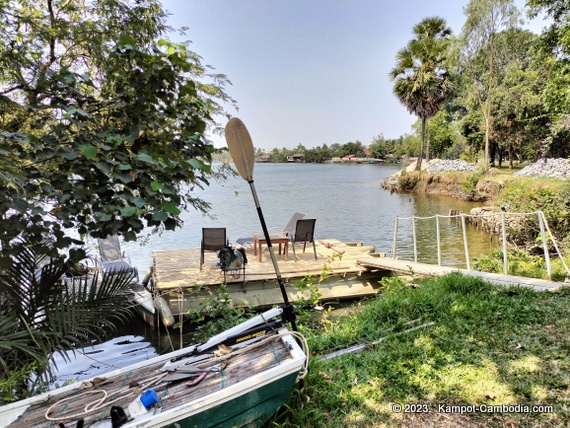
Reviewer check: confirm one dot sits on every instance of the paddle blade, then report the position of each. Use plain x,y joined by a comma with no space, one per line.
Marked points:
241,147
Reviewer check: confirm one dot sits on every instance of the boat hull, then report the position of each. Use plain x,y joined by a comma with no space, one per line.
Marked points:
245,391
252,409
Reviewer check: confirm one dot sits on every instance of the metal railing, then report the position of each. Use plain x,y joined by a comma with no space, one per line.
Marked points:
542,223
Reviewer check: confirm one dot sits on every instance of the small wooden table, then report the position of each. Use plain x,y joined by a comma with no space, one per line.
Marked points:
276,238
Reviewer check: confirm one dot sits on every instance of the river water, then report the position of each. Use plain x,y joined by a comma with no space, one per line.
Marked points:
347,201
349,205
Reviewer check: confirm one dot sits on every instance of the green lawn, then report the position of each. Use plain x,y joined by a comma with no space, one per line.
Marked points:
489,346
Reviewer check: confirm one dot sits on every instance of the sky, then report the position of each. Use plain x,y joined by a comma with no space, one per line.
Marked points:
311,72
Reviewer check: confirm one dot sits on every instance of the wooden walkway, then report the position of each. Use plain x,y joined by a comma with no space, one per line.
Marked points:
408,267
177,275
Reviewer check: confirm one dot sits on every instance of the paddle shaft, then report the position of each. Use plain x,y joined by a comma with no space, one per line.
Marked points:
241,148
288,308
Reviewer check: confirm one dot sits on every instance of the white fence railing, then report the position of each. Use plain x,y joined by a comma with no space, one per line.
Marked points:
542,223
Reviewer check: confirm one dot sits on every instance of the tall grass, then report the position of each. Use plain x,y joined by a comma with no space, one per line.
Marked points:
490,345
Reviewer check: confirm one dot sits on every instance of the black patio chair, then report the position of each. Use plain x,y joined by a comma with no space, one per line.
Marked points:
304,232
213,239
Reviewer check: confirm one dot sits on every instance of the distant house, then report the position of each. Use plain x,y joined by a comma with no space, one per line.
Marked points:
349,158
366,151
263,159
295,158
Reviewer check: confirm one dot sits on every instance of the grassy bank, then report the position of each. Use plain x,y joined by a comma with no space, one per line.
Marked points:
489,346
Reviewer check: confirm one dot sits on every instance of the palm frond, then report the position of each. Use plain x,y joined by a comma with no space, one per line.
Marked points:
15,345
50,312
90,306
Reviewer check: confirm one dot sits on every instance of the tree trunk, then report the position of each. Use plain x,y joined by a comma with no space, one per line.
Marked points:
419,162
488,120
427,146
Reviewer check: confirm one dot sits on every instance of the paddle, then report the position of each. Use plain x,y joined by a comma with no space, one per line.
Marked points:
241,148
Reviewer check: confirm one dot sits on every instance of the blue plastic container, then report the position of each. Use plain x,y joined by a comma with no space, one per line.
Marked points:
149,398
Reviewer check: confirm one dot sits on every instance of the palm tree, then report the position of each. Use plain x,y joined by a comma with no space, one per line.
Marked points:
45,309
422,83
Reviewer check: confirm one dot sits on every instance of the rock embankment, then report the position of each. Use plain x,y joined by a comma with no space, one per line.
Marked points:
438,165
432,167
442,165
559,168
484,189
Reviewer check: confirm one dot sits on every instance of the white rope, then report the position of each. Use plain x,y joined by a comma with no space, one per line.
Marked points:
554,243
99,404
305,347
467,215
495,214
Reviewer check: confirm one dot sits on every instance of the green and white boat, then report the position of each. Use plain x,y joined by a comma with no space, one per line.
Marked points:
237,378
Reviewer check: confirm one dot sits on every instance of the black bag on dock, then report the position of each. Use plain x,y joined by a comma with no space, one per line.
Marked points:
232,258
226,256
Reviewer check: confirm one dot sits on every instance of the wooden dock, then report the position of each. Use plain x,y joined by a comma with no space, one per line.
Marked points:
178,278
408,267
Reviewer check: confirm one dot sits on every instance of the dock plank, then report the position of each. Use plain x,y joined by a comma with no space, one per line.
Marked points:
181,268
408,267
177,275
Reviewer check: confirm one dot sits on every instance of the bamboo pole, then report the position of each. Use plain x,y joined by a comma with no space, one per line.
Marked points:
504,231
395,239
438,240
544,244
414,240
359,348
465,243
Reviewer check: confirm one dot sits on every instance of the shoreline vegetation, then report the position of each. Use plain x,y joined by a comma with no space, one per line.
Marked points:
491,351
524,189
496,356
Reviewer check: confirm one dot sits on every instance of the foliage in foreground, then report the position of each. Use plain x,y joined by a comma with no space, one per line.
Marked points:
45,310
218,313
490,345
102,122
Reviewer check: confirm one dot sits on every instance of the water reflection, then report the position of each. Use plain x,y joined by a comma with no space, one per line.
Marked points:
451,237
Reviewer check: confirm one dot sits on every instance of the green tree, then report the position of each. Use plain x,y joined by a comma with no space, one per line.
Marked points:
441,133
556,52
485,18
108,126
318,154
422,81
410,145
520,116
352,148
299,149
277,156
336,150
379,147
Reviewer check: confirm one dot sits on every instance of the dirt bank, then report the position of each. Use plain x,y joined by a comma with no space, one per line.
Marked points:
461,185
